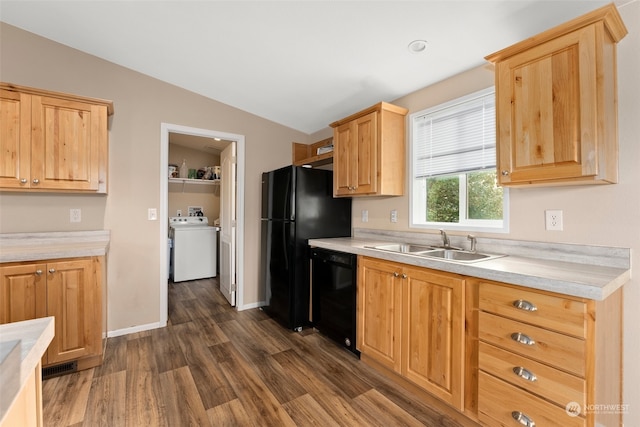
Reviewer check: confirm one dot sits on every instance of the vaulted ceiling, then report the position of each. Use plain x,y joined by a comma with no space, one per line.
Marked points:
303,64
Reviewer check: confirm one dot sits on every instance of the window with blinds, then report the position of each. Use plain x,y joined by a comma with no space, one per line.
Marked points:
453,166
459,137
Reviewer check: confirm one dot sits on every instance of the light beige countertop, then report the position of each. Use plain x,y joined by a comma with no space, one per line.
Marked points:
53,245
32,337
592,272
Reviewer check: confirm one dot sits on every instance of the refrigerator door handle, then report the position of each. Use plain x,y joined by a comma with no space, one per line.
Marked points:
284,244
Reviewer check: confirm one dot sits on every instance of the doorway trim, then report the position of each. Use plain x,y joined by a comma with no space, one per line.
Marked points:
165,130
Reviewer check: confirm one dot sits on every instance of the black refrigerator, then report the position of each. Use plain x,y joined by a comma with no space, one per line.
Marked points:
297,205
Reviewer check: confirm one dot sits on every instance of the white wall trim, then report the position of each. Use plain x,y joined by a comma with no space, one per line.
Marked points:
165,129
134,329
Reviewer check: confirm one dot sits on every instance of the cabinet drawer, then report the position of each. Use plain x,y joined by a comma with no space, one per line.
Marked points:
498,401
553,312
549,347
547,382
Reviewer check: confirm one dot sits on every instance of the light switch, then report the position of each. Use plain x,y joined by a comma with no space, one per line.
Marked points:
153,214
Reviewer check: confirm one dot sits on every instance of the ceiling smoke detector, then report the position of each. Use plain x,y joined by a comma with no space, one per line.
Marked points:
417,46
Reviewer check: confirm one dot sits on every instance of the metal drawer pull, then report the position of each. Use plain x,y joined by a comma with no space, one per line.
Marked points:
522,338
523,419
524,305
524,373
38,272
52,270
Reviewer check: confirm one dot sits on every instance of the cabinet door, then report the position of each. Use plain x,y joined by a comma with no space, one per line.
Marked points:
65,144
355,156
546,111
73,299
366,164
344,159
15,139
379,311
22,292
433,346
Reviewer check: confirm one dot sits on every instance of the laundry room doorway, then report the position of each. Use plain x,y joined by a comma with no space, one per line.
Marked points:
231,190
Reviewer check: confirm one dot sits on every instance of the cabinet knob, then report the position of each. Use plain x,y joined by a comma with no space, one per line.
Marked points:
522,338
404,275
523,419
36,181
505,173
38,272
524,305
23,181
52,270
396,274
524,373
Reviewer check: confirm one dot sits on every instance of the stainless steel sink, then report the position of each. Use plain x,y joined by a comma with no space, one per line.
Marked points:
446,254
459,255
403,248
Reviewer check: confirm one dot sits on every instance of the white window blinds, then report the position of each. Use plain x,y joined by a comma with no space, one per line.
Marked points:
456,138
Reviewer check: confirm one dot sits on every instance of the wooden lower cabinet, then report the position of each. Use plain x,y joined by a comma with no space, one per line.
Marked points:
535,369
26,409
411,321
71,291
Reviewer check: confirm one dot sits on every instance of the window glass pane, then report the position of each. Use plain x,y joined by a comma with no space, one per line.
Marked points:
484,197
443,199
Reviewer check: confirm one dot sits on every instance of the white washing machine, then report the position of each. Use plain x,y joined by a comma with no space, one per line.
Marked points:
193,252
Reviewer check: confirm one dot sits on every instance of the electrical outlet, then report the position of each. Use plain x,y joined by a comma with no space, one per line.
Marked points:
152,214
75,215
394,215
365,215
179,213
553,220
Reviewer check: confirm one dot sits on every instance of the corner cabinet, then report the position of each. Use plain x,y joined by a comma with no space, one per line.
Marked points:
411,321
68,289
55,142
369,152
556,104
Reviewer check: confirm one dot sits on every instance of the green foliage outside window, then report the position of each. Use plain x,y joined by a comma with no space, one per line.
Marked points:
484,198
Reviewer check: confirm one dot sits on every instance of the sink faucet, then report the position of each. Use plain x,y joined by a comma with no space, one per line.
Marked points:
445,239
473,240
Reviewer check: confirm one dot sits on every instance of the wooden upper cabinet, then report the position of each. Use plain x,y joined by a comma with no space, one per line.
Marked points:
369,152
556,104
52,141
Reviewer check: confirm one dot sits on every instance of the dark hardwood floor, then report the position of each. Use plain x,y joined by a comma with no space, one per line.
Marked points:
214,366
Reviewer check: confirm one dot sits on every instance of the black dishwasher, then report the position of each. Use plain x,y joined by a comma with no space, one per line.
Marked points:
333,301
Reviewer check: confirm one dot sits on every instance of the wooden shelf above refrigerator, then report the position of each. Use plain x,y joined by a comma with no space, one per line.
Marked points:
307,154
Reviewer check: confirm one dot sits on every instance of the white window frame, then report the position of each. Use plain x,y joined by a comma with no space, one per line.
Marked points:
418,194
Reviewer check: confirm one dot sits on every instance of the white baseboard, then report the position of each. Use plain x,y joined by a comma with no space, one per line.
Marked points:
252,305
134,329
156,325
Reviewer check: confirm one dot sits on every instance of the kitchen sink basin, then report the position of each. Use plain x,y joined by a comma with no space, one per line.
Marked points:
458,255
446,254
403,248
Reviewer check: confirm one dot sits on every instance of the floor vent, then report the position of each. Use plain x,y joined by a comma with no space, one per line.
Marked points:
57,370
